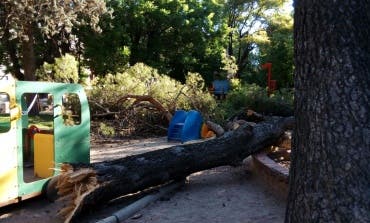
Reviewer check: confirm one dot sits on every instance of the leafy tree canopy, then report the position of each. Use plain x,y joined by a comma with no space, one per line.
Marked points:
247,20
65,69
276,48
213,38
172,36
23,22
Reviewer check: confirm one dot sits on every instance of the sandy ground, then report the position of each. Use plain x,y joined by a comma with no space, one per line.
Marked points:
223,194
220,195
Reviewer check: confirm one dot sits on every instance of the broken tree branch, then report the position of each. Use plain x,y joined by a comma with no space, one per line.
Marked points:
150,99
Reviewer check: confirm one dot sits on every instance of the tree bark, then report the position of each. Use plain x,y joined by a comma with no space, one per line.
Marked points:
85,186
330,169
12,51
28,53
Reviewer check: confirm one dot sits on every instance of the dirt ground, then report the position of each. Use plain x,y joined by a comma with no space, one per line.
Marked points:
223,194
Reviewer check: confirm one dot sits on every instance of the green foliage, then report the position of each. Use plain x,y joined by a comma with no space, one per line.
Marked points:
134,116
42,121
195,95
229,68
143,80
175,37
247,28
254,97
52,18
38,31
64,69
256,75
235,84
108,51
106,130
279,49
71,109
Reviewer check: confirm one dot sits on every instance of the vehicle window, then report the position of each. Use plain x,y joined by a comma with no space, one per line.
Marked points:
71,109
37,138
4,113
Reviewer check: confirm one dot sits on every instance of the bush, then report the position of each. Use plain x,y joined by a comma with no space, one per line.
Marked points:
105,130
252,96
64,69
132,118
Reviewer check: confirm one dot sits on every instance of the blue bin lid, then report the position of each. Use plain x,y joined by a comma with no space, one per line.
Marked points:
221,86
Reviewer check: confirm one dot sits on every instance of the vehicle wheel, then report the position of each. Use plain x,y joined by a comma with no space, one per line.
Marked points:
50,190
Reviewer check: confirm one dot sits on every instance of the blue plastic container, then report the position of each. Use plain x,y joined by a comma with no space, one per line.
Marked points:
185,126
221,86
176,125
192,126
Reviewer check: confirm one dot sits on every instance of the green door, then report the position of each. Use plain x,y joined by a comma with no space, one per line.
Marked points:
54,128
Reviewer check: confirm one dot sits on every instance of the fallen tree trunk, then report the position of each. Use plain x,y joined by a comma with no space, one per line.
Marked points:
86,186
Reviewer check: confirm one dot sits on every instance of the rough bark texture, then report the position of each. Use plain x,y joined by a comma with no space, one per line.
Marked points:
28,53
330,170
11,47
85,186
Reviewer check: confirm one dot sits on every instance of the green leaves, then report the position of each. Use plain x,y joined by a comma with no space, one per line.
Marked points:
141,79
247,21
65,69
33,24
279,48
52,17
175,37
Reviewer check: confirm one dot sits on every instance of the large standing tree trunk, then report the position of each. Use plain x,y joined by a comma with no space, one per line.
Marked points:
85,186
28,52
11,47
330,171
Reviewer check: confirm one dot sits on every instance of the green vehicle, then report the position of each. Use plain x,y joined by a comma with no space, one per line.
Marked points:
41,126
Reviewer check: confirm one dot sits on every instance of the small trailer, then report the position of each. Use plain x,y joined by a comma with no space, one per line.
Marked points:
42,125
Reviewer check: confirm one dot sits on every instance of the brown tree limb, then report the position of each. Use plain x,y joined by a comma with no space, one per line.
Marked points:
150,99
105,114
173,103
100,106
216,128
